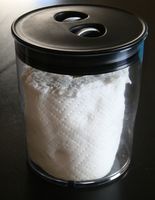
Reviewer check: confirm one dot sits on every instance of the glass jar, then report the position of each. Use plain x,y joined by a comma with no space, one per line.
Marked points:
79,83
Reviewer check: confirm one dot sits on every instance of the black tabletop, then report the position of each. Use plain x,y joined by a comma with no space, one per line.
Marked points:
16,179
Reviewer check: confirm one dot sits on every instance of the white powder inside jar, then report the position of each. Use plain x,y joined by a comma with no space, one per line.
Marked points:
74,124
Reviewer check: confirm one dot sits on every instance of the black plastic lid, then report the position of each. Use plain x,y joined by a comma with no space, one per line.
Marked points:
78,39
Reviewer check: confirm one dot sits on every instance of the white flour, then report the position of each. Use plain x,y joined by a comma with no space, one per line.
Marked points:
74,124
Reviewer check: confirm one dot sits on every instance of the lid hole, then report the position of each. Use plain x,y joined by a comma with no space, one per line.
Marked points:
89,30
70,16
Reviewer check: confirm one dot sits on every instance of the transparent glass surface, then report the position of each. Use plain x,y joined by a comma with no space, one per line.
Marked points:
79,130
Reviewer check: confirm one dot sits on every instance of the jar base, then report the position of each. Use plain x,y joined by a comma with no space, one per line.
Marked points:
79,184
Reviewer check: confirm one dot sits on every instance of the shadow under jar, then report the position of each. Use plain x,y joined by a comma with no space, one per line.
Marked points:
79,69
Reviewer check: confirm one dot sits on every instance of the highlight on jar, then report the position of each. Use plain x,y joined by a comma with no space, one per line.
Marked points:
79,84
